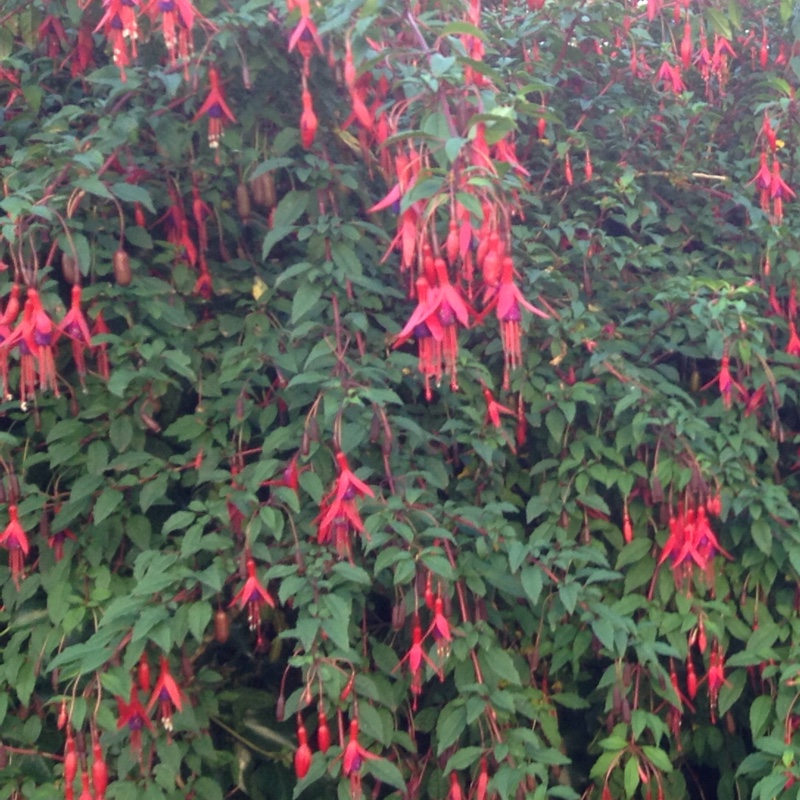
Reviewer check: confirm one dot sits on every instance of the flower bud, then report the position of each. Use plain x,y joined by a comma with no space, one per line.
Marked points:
122,268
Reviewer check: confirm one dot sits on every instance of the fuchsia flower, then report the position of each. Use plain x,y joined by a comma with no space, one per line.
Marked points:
166,694
74,326
691,542
507,302
254,596
779,191
728,387
716,678
354,753
338,514
133,716
670,78
416,657
494,409
442,311
120,26
216,108
305,37
177,21
13,538
308,121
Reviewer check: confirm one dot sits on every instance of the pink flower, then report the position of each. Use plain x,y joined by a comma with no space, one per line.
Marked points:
13,538
166,694
254,596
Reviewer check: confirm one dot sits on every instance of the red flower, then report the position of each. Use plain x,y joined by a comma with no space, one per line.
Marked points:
305,36
338,511
120,25
416,656
254,596
177,21
441,311
507,302
99,329
494,409
727,385
216,108
716,678
75,326
308,121
99,768
303,755
133,716
167,694
793,348
13,538
354,753
779,191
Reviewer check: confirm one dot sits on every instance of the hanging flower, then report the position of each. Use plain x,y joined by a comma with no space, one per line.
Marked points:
507,302
120,26
101,348
177,21
354,753
303,755
133,716
13,538
75,326
254,596
308,121
338,514
166,694
216,108
416,657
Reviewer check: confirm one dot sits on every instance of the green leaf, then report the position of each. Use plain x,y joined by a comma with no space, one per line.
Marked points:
501,663
131,193
452,722
532,582
657,757
290,208
120,433
719,23
633,552
631,776
556,424
462,759
760,710
386,772
106,504
762,535
305,298
274,235
199,617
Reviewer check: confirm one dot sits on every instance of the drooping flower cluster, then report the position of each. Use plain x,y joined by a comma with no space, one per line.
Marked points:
33,337
772,188
692,543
